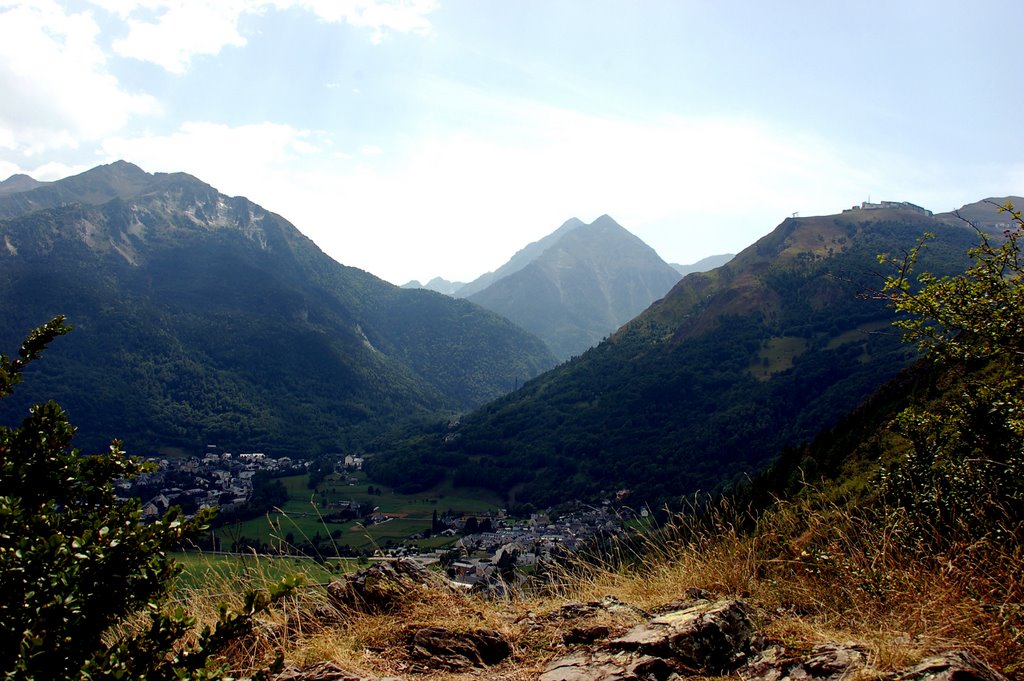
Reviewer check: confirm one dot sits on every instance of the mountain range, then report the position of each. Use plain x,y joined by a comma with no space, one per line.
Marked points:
201,318
712,381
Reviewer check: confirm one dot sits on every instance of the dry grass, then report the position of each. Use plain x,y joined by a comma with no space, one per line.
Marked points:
815,573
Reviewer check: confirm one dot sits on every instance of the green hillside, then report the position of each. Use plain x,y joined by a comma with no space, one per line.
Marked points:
707,385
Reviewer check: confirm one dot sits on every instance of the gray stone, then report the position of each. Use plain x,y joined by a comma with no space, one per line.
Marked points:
323,671
825,662
443,648
578,635
589,665
708,636
382,587
955,665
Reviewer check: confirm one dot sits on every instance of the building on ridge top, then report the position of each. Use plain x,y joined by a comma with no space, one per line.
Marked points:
905,205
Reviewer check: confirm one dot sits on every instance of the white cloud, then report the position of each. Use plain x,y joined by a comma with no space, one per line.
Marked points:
171,33
182,31
7,169
55,170
400,16
56,90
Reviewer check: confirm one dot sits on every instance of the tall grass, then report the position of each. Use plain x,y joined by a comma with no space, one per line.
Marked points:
815,570
819,571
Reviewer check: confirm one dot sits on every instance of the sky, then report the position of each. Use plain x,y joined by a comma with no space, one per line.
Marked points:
423,138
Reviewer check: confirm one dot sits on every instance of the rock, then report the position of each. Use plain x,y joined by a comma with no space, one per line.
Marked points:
575,610
382,587
828,661
585,634
690,598
323,671
708,636
443,648
591,665
955,665
834,660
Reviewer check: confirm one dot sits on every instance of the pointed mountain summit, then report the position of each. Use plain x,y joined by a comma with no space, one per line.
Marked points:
521,259
204,318
587,282
99,185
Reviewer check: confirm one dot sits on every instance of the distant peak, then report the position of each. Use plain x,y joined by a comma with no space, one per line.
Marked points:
605,220
121,167
19,182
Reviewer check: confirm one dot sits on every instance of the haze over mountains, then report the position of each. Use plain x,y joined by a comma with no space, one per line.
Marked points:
576,285
203,318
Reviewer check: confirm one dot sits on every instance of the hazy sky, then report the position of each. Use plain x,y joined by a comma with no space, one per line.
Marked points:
424,138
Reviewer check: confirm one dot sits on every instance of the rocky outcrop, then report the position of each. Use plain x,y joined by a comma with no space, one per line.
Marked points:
324,671
443,648
955,665
718,638
826,662
382,587
708,636
592,665
702,637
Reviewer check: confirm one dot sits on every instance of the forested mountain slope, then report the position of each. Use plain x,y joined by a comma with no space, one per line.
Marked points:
201,318
709,383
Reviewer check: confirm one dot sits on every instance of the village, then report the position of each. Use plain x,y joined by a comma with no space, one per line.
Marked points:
217,479
486,549
503,551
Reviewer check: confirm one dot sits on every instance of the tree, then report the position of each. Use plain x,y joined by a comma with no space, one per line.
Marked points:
75,562
965,472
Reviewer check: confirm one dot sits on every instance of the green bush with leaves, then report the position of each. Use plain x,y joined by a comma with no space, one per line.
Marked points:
76,563
964,475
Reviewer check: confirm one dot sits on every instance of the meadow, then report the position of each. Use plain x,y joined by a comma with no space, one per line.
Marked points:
301,520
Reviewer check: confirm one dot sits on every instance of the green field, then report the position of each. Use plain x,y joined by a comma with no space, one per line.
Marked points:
212,571
302,515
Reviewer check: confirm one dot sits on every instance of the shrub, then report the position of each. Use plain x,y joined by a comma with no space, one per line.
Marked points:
76,563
